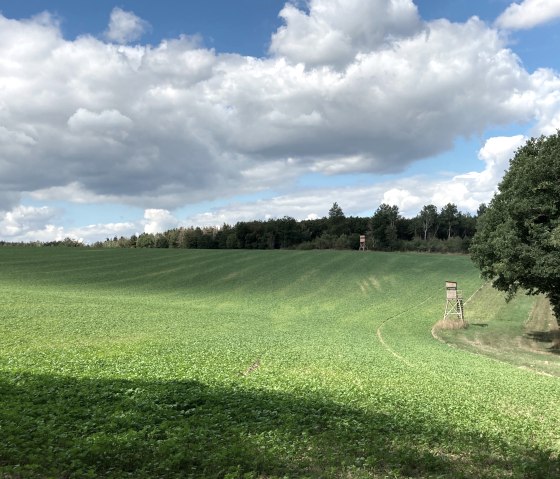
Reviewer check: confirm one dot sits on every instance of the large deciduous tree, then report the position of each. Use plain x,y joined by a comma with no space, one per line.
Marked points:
517,243
428,217
383,226
449,216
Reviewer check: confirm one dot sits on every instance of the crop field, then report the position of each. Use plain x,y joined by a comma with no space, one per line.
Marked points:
255,364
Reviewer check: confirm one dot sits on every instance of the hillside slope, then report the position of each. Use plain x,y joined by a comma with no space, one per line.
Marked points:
254,364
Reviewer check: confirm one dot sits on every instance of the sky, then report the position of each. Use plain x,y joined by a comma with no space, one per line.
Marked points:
141,116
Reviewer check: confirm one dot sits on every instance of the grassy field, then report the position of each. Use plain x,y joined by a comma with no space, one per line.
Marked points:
255,364
523,332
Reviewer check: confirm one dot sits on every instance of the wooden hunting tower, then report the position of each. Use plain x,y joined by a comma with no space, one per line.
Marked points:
363,246
454,304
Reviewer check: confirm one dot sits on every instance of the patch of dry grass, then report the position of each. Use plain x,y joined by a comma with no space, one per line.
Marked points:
523,332
450,324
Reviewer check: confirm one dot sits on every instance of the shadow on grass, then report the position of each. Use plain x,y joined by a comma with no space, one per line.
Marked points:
552,337
480,325
62,427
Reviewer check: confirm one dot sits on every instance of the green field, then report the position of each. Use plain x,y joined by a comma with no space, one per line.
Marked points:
523,332
255,364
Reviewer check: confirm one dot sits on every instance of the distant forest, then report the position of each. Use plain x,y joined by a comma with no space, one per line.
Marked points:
446,231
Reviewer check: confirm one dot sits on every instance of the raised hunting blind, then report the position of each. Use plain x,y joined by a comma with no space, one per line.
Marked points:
454,303
363,245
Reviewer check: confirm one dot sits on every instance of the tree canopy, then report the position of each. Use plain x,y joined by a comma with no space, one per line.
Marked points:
517,243
336,211
383,226
428,218
386,230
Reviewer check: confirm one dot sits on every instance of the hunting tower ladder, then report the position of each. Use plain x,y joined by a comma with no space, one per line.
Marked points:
454,304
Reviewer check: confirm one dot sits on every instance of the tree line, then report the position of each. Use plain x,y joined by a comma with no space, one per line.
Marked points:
431,230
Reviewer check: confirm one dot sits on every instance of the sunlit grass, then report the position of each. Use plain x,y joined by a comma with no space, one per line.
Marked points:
522,332
142,362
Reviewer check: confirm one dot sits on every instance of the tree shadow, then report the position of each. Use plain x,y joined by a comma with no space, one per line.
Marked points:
66,427
551,337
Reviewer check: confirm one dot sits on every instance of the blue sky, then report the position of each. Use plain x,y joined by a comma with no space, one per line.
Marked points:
119,118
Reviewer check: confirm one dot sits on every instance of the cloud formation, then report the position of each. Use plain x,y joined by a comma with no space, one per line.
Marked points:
160,126
158,220
125,27
467,191
25,219
98,120
528,14
340,29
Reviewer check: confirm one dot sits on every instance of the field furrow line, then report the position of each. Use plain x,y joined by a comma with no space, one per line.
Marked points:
390,318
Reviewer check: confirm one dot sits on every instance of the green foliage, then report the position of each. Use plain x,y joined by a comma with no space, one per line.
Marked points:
337,221
428,217
386,231
146,240
449,216
140,363
383,227
336,211
516,241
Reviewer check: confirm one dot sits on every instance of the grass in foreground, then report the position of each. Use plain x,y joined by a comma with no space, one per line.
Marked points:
162,363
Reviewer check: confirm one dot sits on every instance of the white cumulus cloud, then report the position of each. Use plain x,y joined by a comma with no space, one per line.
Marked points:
95,120
403,198
17,223
332,32
159,220
470,189
162,126
125,27
30,223
528,14
98,232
